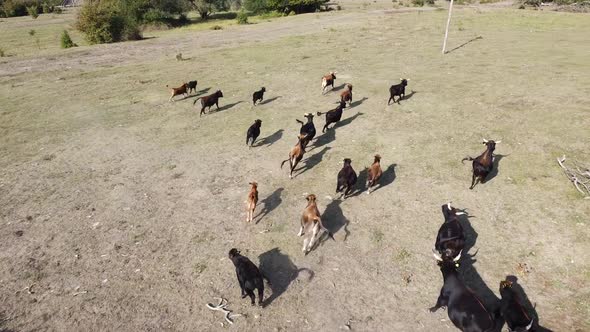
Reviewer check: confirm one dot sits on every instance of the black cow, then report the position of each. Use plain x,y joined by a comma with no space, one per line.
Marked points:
398,90
517,319
192,86
253,132
210,100
465,310
258,95
249,276
484,164
307,129
333,116
450,240
346,178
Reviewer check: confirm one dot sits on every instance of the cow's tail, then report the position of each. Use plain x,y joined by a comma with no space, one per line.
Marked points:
299,121
194,102
284,161
466,158
320,113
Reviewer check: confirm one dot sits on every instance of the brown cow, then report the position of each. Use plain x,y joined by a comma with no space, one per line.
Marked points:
296,154
252,201
375,173
181,90
310,220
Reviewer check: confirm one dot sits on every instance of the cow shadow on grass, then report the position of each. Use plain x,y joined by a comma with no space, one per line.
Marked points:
525,302
280,272
409,95
334,220
270,203
270,100
270,139
200,92
326,138
361,183
313,160
494,172
338,87
358,102
226,107
471,277
347,121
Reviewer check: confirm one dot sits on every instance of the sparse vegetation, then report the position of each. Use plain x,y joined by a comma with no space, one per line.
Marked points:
33,11
66,40
217,27
284,6
242,17
2,53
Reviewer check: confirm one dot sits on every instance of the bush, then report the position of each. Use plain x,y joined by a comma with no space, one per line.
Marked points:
418,3
284,6
2,54
33,11
66,41
155,16
217,27
103,24
242,17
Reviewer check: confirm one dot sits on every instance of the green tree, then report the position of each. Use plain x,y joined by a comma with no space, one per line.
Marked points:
207,7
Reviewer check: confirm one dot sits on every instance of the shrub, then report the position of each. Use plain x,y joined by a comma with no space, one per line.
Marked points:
242,17
2,54
207,7
418,3
284,6
256,6
57,10
66,41
217,27
101,24
153,15
33,11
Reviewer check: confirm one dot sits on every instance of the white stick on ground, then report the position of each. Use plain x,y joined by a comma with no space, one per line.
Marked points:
444,48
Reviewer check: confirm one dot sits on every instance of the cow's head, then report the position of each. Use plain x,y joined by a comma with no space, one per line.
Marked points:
263,89
233,253
490,144
219,94
404,81
347,161
311,198
447,262
449,211
258,122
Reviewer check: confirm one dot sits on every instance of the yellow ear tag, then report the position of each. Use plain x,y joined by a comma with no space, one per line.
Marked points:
456,264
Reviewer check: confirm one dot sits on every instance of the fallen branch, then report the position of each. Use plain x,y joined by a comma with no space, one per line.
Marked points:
222,307
578,175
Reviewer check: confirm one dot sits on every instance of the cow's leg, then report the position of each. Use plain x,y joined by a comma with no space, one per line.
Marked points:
389,101
216,104
304,245
250,293
441,302
260,293
314,236
473,181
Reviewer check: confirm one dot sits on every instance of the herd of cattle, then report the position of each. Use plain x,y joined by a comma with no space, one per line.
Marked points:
465,309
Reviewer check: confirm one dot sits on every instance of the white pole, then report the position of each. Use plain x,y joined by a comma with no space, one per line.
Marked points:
447,30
